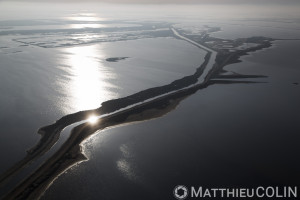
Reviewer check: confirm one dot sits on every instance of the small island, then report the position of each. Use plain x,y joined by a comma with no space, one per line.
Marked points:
115,59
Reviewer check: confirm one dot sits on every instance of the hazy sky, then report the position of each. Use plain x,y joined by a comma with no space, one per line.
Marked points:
35,8
283,2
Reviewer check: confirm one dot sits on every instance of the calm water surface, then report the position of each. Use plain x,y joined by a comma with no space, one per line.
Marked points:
224,135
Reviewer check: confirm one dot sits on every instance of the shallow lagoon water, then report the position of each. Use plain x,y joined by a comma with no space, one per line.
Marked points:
45,84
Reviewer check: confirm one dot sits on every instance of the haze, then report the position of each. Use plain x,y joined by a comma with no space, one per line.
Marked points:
283,2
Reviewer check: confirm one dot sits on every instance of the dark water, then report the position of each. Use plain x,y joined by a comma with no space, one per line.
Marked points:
239,135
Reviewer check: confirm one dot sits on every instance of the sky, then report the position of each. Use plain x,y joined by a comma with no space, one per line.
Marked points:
283,2
16,9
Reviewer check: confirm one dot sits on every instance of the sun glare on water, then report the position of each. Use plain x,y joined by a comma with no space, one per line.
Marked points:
92,119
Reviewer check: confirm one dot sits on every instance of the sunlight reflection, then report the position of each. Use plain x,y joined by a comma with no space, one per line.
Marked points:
86,17
77,26
89,80
92,119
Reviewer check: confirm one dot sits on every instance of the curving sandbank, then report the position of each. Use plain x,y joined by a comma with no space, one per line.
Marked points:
155,102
